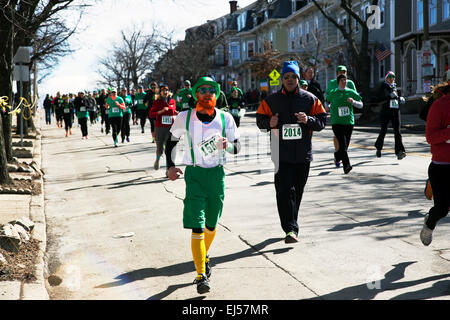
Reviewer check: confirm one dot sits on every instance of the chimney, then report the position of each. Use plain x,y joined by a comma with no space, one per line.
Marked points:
233,6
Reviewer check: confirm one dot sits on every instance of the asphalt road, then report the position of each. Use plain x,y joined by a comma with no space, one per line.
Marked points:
115,230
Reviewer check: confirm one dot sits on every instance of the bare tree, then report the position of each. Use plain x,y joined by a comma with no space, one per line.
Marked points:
19,25
359,51
132,58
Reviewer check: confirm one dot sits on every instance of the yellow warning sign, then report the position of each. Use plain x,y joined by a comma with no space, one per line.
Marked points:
274,75
274,82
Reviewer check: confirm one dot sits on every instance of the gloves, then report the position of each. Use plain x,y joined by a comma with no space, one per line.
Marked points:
402,100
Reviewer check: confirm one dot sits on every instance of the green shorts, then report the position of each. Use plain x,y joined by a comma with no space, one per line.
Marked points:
205,192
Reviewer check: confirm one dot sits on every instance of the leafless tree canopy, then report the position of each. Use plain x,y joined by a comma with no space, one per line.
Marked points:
132,57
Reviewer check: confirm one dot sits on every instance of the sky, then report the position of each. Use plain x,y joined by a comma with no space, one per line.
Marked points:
102,24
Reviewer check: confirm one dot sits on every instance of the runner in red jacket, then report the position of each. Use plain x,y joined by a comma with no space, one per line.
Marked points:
438,136
164,110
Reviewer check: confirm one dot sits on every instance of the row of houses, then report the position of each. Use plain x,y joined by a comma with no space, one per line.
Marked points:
419,55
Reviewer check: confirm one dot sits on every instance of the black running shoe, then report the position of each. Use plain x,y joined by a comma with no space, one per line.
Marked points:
348,169
208,267
378,153
202,283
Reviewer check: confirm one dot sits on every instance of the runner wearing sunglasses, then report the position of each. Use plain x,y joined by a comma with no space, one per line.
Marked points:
209,132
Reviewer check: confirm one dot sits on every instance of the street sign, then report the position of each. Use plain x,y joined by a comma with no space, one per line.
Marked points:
274,82
274,74
23,55
21,73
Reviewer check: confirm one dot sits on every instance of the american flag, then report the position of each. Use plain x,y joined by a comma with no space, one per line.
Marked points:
381,52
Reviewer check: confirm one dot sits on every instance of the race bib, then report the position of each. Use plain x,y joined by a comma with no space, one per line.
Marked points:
208,148
185,105
292,132
141,101
344,111
235,112
66,110
393,104
82,109
115,110
166,119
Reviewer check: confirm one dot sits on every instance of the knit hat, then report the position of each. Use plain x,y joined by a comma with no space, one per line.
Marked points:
390,74
341,68
205,81
291,66
187,83
303,83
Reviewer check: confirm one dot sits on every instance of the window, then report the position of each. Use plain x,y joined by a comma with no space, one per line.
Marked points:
292,39
419,14
243,49
250,49
294,5
234,51
316,23
382,4
433,12
307,32
242,21
445,9
300,35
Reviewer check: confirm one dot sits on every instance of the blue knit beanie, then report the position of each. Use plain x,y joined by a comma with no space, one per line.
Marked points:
291,66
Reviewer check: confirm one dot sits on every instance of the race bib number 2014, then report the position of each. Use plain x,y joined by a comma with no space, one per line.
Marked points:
292,132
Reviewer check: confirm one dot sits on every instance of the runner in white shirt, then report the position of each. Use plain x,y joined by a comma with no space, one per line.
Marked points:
208,133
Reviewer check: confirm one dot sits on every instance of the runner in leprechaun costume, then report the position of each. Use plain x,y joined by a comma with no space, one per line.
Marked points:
209,133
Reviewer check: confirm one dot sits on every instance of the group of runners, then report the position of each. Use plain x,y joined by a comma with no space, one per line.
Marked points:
291,115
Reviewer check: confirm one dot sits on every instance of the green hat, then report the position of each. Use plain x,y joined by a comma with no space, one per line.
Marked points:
341,68
205,81
303,83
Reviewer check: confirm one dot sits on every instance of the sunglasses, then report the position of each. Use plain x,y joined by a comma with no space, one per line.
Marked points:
206,90
290,76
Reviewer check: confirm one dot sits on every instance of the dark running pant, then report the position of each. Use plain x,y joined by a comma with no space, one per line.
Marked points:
125,126
116,125
48,116
237,120
343,134
152,124
290,181
83,125
67,121
439,175
392,115
92,116
142,115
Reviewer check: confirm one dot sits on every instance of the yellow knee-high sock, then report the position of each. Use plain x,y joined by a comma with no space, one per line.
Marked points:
198,251
209,237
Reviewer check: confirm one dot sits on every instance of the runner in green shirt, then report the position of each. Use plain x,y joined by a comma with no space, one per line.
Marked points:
141,108
342,102
183,97
333,84
126,116
115,106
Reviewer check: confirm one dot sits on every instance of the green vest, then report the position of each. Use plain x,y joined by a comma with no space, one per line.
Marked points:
114,110
140,105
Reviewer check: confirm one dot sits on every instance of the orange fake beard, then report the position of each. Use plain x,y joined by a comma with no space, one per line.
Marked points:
206,104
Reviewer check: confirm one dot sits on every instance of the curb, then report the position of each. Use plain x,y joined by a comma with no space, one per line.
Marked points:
36,290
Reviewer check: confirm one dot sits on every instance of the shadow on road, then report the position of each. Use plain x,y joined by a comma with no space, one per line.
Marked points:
188,267
368,291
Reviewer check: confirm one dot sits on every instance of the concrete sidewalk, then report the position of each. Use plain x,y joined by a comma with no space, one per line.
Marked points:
16,206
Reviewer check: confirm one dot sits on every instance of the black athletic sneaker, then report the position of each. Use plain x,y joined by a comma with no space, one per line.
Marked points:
348,169
202,283
378,153
208,267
